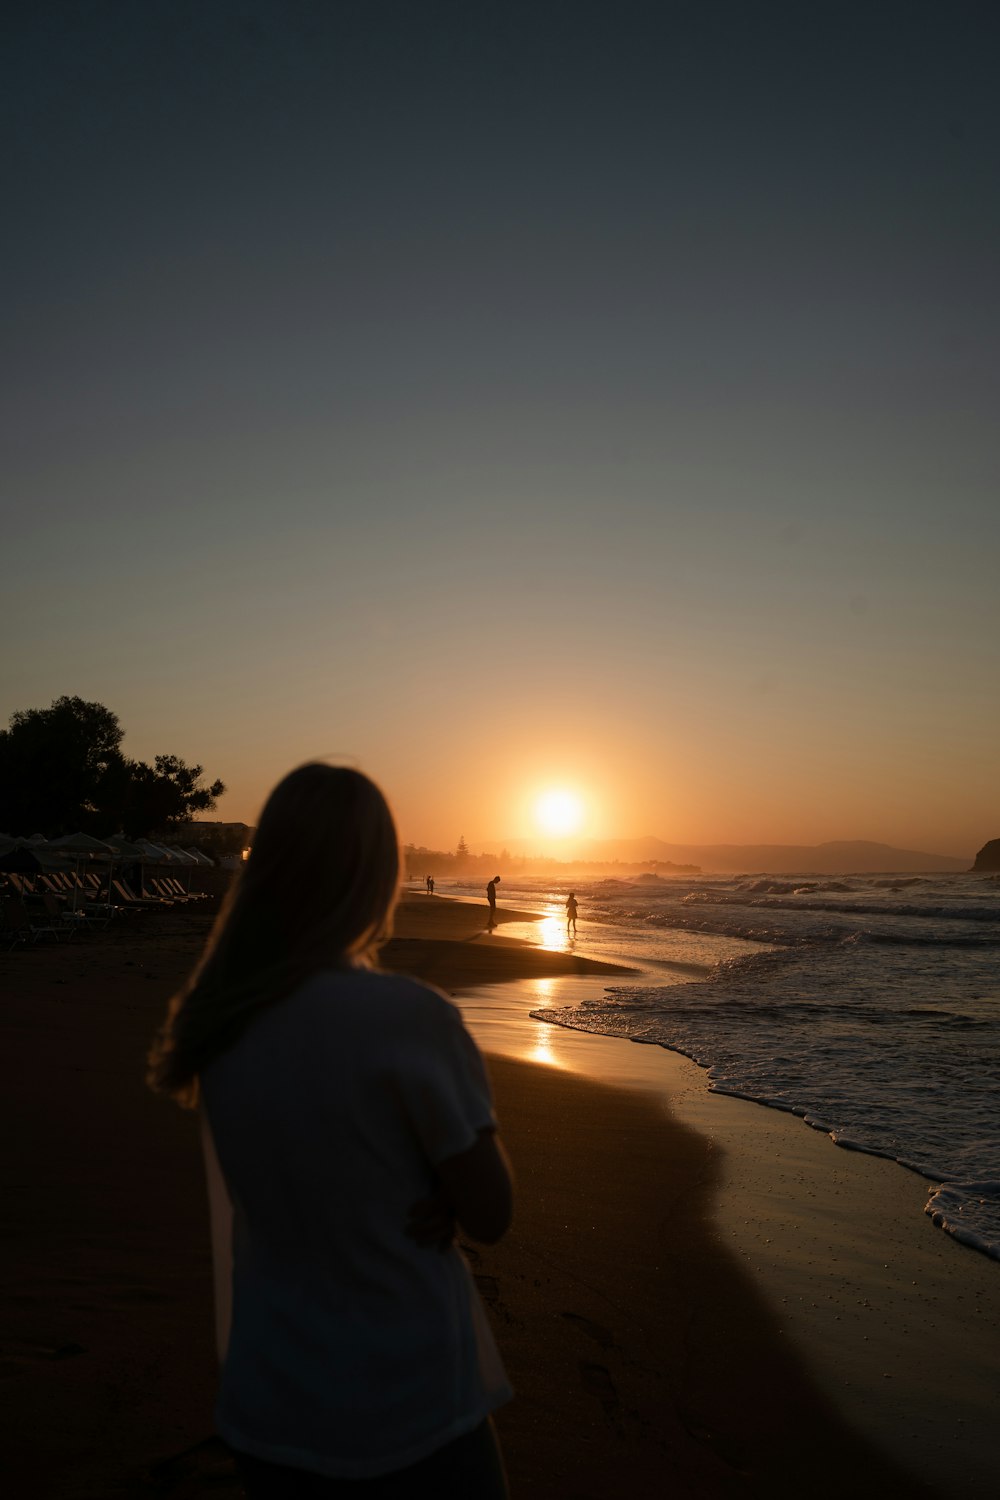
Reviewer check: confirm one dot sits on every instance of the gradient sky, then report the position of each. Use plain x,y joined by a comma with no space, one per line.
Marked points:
503,396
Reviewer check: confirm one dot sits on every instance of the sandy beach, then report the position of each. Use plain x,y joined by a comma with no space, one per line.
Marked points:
684,1304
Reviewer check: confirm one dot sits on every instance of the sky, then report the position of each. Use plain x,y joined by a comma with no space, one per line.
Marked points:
515,397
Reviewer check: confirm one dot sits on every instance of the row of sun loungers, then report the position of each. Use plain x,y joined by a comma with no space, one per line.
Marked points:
58,905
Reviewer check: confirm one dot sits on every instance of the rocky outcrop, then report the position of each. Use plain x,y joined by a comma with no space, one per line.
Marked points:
988,857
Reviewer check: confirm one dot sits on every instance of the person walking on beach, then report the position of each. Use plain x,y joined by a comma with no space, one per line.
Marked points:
571,912
491,896
348,1129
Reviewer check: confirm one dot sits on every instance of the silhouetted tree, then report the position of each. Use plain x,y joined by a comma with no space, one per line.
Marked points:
463,848
165,794
57,765
62,769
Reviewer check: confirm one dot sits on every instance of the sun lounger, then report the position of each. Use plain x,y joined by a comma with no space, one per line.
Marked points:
13,929
129,898
26,923
155,887
78,918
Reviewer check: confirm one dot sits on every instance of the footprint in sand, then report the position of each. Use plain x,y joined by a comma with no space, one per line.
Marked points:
130,1294
208,1465
595,1331
596,1380
28,1354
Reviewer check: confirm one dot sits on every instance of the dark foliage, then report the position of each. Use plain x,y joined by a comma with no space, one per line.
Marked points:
62,770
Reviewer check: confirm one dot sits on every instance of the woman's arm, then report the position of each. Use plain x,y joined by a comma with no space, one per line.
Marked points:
220,1214
476,1191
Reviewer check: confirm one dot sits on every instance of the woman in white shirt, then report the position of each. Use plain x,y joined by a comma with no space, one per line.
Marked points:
351,1117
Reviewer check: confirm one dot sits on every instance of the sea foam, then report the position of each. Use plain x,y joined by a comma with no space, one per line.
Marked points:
876,1021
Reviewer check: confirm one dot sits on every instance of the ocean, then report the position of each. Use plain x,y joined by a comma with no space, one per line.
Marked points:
867,1005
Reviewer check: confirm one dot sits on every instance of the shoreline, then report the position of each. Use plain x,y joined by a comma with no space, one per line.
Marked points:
643,1359
666,1238
445,942
898,1322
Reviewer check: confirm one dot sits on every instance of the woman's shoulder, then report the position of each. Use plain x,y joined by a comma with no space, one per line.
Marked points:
392,997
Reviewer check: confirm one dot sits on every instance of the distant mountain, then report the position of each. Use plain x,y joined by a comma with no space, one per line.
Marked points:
839,857
988,857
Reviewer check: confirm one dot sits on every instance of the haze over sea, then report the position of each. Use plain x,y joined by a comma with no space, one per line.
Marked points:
869,1005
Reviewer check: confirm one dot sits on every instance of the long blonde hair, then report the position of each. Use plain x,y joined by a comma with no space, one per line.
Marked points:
317,892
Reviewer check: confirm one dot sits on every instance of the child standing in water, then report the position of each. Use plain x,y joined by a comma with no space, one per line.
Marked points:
571,912
347,1120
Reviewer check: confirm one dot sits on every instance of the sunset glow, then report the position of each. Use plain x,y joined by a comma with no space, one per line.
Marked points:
502,566
559,813
696,542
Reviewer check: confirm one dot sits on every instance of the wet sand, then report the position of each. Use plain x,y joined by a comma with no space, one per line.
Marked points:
646,1351
896,1324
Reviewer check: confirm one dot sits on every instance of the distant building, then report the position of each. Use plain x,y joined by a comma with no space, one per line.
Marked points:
224,842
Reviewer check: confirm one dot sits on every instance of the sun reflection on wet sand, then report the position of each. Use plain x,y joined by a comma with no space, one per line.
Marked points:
498,1015
541,1047
550,932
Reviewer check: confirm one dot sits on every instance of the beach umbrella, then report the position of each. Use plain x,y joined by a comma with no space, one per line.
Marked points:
20,860
17,861
148,854
159,854
80,843
201,857
181,857
174,856
203,861
84,846
152,852
128,852
123,847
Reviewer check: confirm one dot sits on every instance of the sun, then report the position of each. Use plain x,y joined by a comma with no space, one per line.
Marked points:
559,813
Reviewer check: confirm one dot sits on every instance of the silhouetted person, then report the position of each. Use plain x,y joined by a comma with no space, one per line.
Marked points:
571,912
491,896
431,884
347,1115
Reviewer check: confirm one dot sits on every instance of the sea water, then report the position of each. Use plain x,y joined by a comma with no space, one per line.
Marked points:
867,1005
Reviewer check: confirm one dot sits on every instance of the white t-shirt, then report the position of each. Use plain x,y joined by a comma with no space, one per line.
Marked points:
353,1351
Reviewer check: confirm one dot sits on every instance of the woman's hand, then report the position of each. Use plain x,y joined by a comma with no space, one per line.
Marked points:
478,1184
432,1221
476,1193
